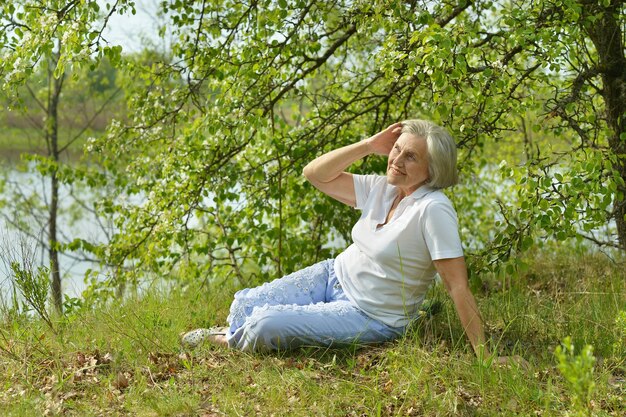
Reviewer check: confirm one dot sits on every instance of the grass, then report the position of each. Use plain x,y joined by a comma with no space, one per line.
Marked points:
124,358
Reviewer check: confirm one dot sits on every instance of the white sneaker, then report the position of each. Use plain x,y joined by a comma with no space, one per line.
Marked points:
196,337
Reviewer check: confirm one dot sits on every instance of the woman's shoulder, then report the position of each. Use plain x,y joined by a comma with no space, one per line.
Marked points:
371,177
437,199
371,181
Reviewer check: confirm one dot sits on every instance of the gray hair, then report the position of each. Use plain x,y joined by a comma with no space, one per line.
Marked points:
442,169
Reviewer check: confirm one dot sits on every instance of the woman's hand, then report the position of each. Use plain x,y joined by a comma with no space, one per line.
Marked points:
382,142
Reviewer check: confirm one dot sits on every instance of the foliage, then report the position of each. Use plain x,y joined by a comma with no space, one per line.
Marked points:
50,80
578,372
30,283
33,286
252,92
203,171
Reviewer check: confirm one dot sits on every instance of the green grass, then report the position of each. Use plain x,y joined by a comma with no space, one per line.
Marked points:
124,358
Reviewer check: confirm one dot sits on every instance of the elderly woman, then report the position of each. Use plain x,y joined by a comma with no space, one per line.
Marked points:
372,291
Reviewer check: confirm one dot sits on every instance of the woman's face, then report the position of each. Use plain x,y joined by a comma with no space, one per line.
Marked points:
407,166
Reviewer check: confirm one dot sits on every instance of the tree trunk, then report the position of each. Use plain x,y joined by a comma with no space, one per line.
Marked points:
52,136
607,37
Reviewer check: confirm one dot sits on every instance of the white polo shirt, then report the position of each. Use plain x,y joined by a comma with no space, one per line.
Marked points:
387,270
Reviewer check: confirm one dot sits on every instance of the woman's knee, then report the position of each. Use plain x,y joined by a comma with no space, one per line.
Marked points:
265,329
268,320
241,305
238,303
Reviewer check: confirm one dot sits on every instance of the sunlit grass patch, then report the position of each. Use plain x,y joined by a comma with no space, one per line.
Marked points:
123,357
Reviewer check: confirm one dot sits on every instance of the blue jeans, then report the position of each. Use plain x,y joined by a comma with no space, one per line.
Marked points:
306,308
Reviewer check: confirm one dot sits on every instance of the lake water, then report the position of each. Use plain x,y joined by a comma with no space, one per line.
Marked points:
13,243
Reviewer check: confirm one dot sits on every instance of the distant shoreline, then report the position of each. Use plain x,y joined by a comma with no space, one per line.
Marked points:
13,156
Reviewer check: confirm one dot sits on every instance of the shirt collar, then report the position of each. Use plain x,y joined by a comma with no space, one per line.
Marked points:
422,191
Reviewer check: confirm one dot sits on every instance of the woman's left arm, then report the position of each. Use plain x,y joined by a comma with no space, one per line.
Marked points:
453,272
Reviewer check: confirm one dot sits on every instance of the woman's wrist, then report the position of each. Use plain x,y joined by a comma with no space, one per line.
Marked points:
368,145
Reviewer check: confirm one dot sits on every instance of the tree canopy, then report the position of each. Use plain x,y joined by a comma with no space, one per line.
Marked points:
204,165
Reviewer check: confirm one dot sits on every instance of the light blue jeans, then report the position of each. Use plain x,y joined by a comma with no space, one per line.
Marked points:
306,308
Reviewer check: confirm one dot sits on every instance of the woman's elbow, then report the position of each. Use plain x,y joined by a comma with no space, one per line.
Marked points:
310,173
307,172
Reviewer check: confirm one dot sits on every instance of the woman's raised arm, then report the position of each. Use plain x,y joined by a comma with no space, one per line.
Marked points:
327,174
